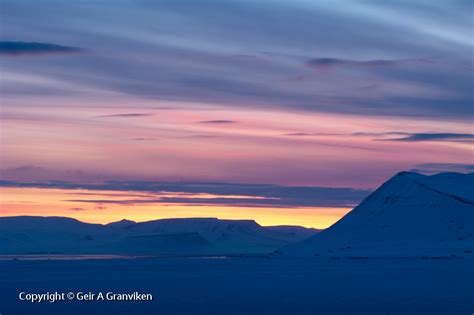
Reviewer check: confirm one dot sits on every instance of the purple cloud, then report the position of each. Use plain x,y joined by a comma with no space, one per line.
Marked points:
77,209
325,63
258,194
452,137
13,48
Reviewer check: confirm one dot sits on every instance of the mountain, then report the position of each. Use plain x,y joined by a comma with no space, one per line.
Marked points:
121,223
27,234
409,215
58,235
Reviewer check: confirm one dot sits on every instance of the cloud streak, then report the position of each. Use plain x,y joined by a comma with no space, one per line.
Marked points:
419,137
218,122
325,63
400,136
433,168
12,48
223,193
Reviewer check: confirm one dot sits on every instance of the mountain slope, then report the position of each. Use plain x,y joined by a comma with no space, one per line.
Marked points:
35,235
409,215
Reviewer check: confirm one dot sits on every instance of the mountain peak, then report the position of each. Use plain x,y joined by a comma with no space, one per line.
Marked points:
410,214
121,223
410,174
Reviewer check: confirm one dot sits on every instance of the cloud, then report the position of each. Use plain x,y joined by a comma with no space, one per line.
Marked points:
196,61
433,168
239,202
77,209
418,137
325,63
124,115
218,121
37,173
377,134
223,193
12,48
400,136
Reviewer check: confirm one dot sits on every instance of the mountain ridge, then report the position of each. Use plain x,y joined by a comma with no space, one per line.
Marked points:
38,234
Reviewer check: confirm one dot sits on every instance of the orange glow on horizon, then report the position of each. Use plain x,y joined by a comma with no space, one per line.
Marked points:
68,203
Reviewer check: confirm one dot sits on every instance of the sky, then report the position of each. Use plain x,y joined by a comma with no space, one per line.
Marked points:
286,112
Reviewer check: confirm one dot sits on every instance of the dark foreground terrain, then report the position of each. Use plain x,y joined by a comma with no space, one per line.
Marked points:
244,285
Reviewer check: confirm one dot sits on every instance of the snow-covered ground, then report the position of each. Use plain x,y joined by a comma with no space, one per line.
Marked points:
246,285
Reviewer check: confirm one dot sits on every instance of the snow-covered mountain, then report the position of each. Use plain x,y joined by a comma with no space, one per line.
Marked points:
39,235
409,215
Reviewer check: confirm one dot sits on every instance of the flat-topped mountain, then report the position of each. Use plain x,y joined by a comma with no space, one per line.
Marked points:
39,235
